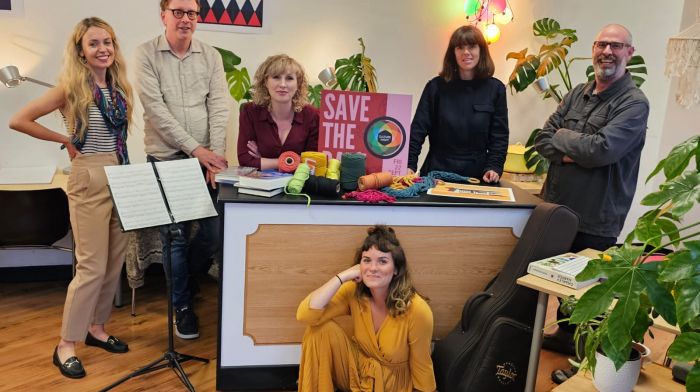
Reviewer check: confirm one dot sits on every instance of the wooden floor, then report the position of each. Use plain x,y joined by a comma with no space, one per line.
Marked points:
30,318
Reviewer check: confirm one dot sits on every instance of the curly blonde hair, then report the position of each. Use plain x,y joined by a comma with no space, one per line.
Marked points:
76,78
276,65
401,288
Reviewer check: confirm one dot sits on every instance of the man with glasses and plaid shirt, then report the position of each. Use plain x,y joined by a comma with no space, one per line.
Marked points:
183,90
594,142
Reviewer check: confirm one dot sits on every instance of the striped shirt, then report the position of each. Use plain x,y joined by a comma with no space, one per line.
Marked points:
97,137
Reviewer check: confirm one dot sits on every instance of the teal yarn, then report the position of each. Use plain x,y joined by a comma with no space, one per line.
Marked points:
296,184
447,177
352,167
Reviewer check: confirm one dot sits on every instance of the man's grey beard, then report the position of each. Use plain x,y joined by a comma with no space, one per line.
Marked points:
604,73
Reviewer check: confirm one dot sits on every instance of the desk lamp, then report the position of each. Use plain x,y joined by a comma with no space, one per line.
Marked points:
10,77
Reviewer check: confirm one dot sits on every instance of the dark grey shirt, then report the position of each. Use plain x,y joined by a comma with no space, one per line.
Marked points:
604,134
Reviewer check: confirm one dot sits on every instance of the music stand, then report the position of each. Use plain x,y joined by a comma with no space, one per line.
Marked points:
128,184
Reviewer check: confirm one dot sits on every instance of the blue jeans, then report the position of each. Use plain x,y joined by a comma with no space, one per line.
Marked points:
189,256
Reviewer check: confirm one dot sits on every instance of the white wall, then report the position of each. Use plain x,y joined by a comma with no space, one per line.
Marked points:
405,39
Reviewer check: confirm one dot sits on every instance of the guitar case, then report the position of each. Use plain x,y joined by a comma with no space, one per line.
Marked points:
489,348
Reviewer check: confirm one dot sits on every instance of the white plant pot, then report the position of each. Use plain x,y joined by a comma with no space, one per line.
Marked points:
607,379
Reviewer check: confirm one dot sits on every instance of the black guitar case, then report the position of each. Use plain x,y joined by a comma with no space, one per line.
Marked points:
488,350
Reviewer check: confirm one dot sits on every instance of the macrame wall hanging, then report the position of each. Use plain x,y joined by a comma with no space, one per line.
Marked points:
683,61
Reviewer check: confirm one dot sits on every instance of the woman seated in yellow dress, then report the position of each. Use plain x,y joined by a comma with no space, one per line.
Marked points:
393,325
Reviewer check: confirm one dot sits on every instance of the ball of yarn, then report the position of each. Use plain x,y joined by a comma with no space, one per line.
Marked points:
322,186
288,161
317,161
296,184
333,171
375,181
352,167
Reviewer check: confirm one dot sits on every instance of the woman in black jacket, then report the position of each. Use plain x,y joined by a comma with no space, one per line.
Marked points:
463,111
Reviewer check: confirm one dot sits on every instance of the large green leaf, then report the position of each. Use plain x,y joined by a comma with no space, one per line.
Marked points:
315,95
550,29
682,191
679,158
688,300
681,265
594,302
525,70
659,296
230,59
686,347
349,73
617,355
239,84
623,316
692,381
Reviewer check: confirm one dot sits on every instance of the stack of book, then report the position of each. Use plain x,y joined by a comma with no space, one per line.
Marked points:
232,173
562,269
266,183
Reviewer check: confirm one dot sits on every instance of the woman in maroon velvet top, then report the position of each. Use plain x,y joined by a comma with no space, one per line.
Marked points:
279,118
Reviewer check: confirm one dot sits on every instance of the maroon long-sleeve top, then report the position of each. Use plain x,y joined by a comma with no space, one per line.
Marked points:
256,124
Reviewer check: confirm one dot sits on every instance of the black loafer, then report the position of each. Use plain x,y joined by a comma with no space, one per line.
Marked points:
113,345
71,368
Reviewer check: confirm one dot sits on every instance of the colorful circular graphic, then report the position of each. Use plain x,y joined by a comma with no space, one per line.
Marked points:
384,137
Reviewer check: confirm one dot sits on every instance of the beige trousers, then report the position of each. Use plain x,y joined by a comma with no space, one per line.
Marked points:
100,246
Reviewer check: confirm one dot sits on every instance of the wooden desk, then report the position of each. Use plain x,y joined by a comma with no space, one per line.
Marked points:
653,378
277,250
60,180
545,288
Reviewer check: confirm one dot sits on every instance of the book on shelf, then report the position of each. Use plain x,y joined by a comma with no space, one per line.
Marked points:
259,192
232,173
562,269
265,180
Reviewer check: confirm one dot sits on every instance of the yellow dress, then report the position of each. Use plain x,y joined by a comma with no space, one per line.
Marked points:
395,359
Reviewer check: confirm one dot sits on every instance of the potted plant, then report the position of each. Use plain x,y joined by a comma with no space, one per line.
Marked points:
669,288
533,69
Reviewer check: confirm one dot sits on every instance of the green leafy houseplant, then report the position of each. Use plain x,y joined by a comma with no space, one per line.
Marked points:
669,288
355,73
238,79
552,56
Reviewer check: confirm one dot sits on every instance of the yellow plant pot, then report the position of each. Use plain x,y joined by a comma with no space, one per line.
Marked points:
515,160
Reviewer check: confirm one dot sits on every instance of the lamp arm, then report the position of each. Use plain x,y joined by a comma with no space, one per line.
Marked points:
37,82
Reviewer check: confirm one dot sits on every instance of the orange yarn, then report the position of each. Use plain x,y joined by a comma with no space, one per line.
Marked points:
288,161
375,181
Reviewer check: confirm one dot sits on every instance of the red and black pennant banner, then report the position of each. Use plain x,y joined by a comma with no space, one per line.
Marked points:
248,13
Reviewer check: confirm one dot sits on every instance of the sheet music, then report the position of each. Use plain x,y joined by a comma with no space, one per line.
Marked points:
137,196
185,189
27,175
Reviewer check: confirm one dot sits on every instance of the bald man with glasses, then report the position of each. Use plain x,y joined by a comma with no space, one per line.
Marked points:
594,142
183,90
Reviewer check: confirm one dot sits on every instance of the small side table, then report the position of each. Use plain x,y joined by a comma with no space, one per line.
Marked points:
653,378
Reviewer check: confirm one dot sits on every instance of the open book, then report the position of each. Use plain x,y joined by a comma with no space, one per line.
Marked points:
160,193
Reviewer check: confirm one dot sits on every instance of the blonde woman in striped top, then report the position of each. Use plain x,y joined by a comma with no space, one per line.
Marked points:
95,99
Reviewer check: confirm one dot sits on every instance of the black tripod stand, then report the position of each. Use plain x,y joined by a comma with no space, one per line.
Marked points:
170,358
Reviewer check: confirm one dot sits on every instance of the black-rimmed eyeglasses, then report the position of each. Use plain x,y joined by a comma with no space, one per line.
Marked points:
191,15
613,45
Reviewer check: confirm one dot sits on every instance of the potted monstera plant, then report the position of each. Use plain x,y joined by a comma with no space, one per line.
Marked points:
552,59
642,289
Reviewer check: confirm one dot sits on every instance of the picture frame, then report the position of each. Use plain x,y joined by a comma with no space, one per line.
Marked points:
12,8
234,16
